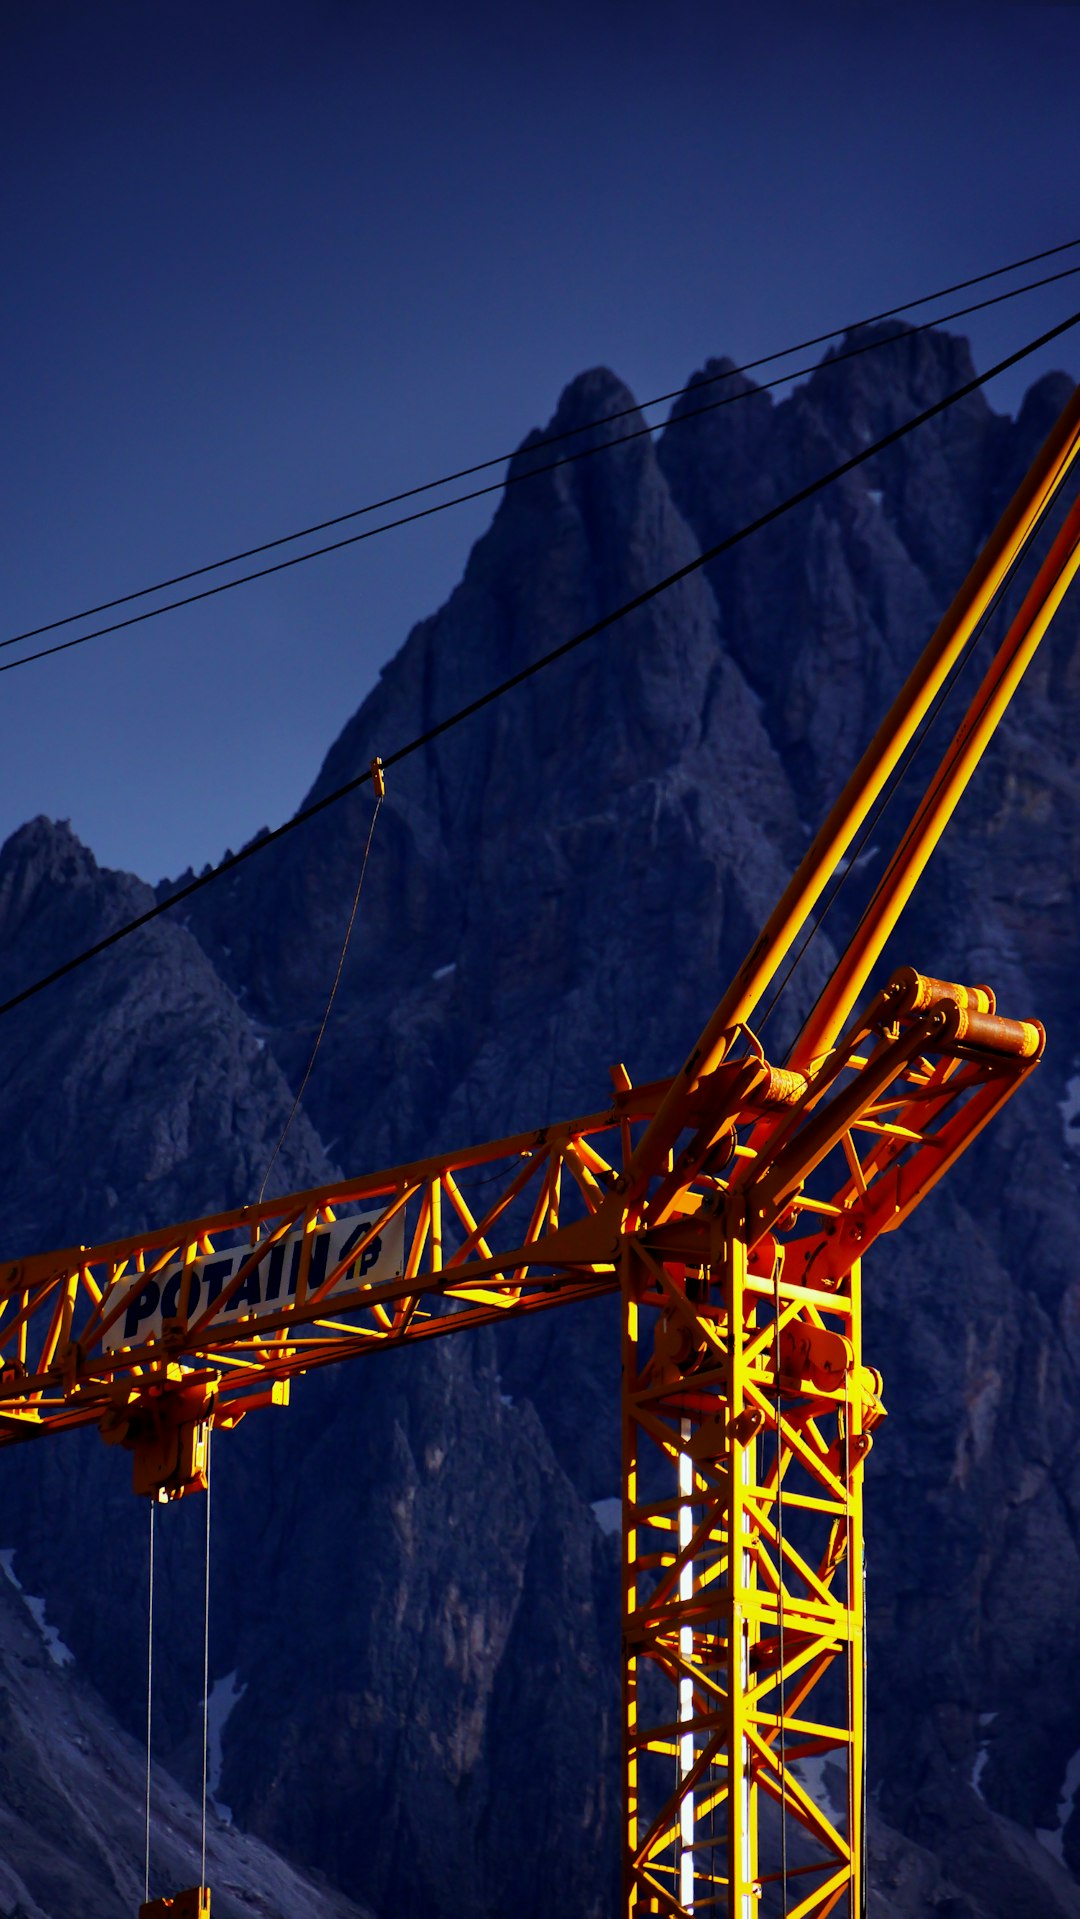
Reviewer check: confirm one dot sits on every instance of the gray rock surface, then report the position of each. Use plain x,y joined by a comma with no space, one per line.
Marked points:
409,1582
73,1796
137,1082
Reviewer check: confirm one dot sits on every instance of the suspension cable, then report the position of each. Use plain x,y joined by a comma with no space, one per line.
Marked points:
380,791
553,439
705,558
523,474
864,1845
851,1574
781,1684
149,1698
206,1669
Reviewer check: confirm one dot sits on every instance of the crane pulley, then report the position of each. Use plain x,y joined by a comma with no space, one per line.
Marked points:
730,1207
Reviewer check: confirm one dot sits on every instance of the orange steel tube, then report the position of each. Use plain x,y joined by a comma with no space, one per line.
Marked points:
846,816
893,891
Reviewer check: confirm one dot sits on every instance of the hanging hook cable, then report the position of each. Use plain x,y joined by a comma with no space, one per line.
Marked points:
149,1700
781,1703
206,1668
379,788
864,1847
851,1573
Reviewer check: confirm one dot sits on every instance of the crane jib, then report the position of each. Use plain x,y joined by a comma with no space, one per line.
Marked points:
153,1299
744,1397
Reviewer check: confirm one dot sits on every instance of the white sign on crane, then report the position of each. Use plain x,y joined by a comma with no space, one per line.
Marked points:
153,1298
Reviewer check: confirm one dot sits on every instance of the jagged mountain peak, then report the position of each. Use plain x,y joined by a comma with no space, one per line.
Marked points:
46,853
147,1033
879,378
43,841
608,748
52,886
826,611
1042,404
567,545
567,880
897,356
717,382
587,401
601,469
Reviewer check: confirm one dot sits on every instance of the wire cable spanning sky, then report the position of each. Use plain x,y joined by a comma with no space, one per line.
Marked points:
523,475
404,751
269,258
573,433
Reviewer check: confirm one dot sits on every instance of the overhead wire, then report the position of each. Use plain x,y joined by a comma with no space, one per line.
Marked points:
308,1070
350,786
567,646
496,486
552,439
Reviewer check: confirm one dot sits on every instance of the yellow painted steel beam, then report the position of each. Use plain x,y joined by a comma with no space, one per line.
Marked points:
743,1382
938,804
866,783
739,1630
745,1399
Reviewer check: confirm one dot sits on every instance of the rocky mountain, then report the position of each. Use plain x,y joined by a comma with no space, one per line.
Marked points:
415,1600
74,1795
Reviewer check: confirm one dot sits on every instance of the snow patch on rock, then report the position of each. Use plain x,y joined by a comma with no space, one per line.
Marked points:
1052,1838
811,1774
608,1514
982,1754
60,1654
224,1695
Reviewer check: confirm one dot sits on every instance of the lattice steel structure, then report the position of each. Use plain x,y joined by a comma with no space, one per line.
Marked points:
747,1415
730,1207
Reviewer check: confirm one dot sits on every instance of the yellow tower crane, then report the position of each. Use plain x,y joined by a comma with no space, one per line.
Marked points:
729,1207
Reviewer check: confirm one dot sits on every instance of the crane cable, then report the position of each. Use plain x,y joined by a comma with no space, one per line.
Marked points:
554,439
861,1783
380,793
206,1667
781,1682
514,680
500,486
205,1686
856,1783
149,1699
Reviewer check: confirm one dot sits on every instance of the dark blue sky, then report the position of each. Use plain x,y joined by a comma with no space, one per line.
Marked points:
264,261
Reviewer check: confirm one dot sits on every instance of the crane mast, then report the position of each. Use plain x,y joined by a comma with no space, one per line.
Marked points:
730,1208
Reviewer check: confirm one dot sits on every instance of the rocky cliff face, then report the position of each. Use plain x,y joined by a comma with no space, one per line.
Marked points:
73,1800
410,1585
